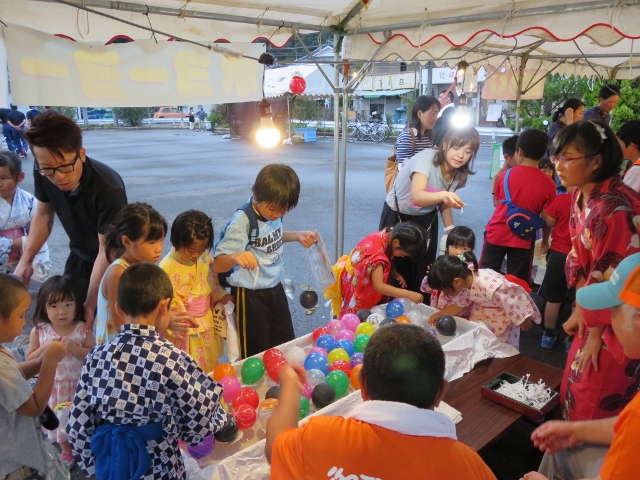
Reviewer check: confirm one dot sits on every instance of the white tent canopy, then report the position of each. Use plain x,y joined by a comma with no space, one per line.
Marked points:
584,37
276,80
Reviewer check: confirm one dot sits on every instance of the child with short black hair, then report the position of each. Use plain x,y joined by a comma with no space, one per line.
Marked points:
59,317
362,276
16,212
547,167
140,393
19,403
262,310
629,136
459,240
504,306
195,287
385,436
136,235
531,190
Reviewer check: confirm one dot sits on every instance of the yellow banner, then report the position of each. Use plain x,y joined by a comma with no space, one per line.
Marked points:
48,70
503,85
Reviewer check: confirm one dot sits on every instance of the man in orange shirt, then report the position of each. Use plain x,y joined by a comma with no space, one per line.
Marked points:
575,449
394,434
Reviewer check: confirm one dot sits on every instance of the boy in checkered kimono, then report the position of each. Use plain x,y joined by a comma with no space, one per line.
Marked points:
139,394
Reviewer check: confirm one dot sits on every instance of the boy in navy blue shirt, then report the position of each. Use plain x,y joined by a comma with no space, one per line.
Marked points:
262,311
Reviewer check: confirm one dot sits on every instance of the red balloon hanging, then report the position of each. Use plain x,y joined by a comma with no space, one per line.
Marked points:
297,85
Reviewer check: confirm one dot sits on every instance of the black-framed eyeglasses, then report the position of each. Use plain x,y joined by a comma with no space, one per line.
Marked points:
66,168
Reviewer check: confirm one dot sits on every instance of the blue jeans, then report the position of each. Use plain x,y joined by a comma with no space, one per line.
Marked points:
18,139
7,131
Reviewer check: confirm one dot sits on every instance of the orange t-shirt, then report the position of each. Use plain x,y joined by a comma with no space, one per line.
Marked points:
622,460
336,448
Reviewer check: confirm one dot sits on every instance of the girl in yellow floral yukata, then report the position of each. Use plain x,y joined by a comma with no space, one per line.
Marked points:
195,289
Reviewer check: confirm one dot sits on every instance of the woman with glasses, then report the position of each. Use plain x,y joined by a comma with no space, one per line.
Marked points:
605,215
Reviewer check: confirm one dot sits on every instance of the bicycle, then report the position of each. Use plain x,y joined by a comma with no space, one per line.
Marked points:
364,131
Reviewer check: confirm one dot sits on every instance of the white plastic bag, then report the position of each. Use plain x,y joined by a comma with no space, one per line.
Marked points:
320,264
220,320
54,468
233,346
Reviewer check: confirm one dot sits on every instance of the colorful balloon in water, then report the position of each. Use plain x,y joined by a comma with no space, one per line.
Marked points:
295,356
355,380
245,416
341,365
326,341
351,321
309,299
346,345
394,309
318,332
203,449
317,361
274,367
406,303
446,325
246,396
338,354
365,328
339,381
271,354
361,341
252,370
223,370
273,392
375,319
414,316
356,359
304,408
335,326
363,314
231,386
403,319
319,350
323,395
315,377
307,390
265,409
345,335
229,432
379,310
388,321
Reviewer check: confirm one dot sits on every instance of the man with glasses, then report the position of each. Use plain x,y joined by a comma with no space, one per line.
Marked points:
86,195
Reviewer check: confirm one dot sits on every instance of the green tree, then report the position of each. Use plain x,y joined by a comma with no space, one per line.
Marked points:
219,116
305,109
133,116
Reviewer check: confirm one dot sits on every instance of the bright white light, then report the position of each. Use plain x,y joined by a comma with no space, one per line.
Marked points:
460,120
268,136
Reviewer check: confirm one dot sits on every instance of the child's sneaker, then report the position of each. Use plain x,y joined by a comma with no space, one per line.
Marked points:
548,340
67,459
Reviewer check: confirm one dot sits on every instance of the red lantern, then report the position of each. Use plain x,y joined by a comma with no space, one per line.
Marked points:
297,85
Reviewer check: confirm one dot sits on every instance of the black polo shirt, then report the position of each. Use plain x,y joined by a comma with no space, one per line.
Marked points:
89,209
16,117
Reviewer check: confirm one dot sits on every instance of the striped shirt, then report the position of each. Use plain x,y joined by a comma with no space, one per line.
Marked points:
404,145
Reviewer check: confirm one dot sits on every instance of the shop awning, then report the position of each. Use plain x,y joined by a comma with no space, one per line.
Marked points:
382,93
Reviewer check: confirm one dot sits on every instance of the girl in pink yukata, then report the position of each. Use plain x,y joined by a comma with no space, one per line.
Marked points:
59,317
459,240
504,306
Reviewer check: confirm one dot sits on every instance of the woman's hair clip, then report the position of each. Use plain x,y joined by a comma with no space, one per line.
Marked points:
461,257
471,267
600,129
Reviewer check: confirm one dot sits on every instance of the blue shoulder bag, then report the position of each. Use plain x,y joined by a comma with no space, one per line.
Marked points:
520,221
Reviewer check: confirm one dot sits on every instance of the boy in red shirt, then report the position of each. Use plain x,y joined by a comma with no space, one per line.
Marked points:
387,435
576,449
554,286
530,189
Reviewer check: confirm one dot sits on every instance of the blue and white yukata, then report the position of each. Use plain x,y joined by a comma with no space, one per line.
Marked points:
141,379
15,220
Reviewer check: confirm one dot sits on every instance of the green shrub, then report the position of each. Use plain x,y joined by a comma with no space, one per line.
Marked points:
132,116
219,116
305,110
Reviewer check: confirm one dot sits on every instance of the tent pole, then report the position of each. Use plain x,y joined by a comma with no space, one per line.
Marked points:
336,153
520,81
343,169
4,72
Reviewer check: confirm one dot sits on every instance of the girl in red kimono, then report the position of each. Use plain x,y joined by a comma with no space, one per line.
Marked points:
605,215
363,274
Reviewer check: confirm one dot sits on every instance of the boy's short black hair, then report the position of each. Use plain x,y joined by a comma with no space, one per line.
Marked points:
609,90
277,184
142,287
630,133
509,145
10,287
405,364
190,226
55,132
534,143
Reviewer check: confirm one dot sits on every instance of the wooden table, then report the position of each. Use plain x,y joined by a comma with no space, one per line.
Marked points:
483,420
